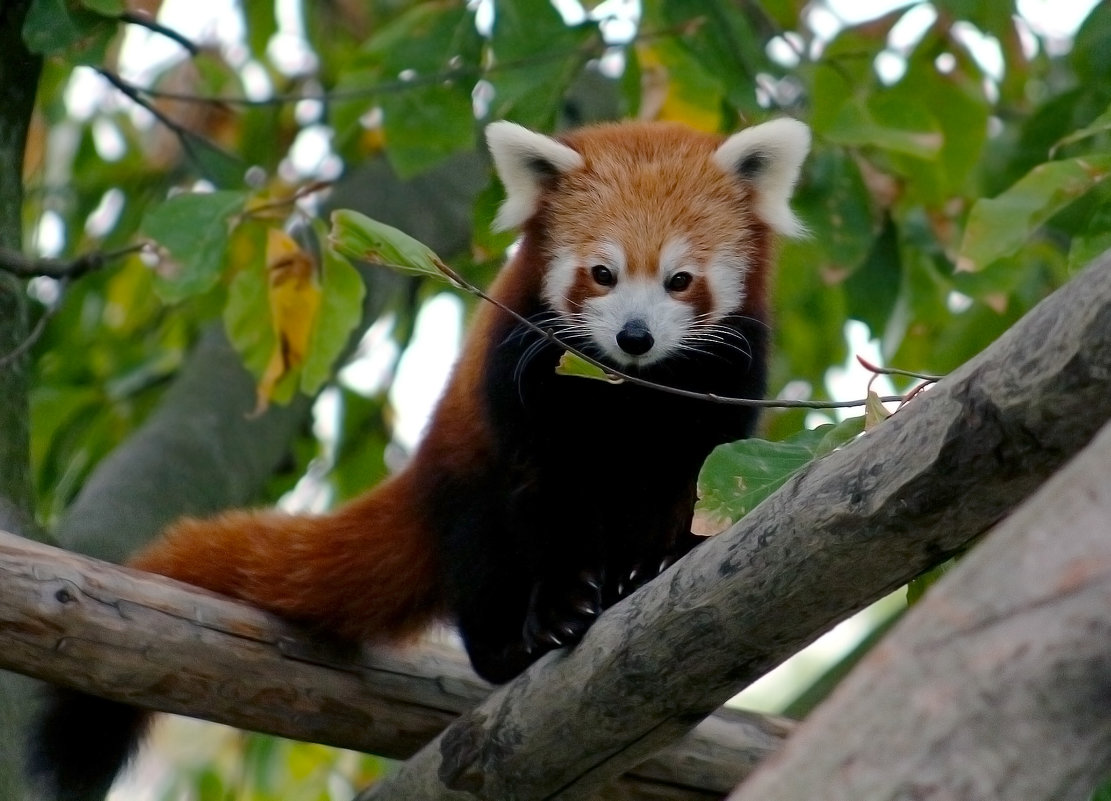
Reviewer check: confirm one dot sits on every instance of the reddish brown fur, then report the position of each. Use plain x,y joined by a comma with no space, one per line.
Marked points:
669,170
367,571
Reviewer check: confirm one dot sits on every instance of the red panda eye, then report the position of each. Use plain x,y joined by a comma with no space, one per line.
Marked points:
679,282
603,275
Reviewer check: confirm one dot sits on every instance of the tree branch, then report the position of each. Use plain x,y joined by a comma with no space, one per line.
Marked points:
152,642
142,20
24,266
838,535
1014,643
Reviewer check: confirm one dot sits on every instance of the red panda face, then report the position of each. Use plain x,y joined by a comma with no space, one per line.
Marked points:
651,234
639,314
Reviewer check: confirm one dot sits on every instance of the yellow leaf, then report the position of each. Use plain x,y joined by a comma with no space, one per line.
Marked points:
874,411
294,295
664,95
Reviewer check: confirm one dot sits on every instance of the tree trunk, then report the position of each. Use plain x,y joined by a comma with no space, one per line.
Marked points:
996,685
19,75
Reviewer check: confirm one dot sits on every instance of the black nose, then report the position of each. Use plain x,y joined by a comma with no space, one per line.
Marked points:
634,338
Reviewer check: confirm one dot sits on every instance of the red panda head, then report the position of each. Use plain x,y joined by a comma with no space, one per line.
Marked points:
652,233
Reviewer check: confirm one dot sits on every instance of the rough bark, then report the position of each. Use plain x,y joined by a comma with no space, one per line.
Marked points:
838,535
19,71
996,685
19,74
152,642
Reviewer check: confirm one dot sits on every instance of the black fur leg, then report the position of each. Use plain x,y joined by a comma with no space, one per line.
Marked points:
79,743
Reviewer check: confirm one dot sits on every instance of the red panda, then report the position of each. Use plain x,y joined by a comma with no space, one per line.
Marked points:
535,500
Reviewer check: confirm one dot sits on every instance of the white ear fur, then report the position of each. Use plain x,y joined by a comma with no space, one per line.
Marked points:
523,160
770,156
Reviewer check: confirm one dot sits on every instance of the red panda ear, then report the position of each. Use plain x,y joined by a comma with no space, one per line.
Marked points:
524,161
769,156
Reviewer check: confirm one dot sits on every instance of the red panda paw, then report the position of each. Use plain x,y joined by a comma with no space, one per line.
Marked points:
560,612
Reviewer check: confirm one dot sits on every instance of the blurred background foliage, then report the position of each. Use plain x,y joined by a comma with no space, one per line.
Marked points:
958,176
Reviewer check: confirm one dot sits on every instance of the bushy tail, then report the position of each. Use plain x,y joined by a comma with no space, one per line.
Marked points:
366,572
79,744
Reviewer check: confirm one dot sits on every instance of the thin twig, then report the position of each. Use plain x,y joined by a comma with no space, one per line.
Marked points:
36,333
188,139
143,21
289,200
878,370
474,72
23,266
614,374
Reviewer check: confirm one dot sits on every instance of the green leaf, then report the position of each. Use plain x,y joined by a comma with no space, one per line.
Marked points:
247,310
844,75
836,207
873,289
995,17
999,226
425,62
262,24
887,123
360,450
358,237
737,476
340,311
1095,236
193,228
51,26
536,58
1090,56
427,124
1100,125
107,8
721,39
918,586
572,365
874,411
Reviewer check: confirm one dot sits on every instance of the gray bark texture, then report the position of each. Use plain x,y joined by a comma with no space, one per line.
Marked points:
19,76
841,533
152,642
996,685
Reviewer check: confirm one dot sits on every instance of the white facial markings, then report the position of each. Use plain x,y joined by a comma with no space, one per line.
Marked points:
725,274
674,258
559,279
643,299
603,311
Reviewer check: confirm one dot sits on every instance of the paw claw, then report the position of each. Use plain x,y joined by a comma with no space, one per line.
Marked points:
585,607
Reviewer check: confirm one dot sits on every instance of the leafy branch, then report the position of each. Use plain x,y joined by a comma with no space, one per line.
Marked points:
592,49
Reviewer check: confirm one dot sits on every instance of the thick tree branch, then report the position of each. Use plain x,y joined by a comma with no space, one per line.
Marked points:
1014,644
153,642
838,535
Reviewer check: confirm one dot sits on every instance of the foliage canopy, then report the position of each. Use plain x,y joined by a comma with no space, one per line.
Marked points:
958,176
